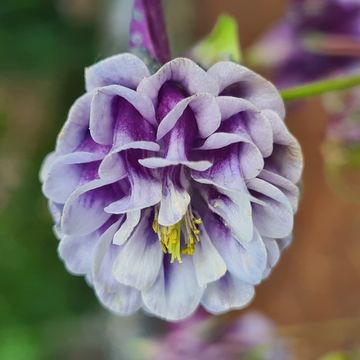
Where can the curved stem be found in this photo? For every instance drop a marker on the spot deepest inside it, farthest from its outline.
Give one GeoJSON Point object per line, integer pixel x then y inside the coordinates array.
{"type": "Point", "coordinates": [320, 87]}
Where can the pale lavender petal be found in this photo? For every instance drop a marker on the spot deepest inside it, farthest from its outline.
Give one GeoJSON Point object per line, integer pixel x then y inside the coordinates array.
{"type": "Point", "coordinates": [226, 294]}
{"type": "Point", "coordinates": [154, 163]}
{"type": "Point", "coordinates": [175, 199]}
{"type": "Point", "coordinates": [175, 294]}
{"type": "Point", "coordinates": [121, 299]}
{"type": "Point", "coordinates": [273, 218]}
{"type": "Point", "coordinates": [132, 219]}
{"type": "Point", "coordinates": [76, 126]}
{"type": "Point", "coordinates": [206, 254]}
{"type": "Point", "coordinates": [287, 157]}
{"type": "Point", "coordinates": [236, 80]}
{"type": "Point", "coordinates": [286, 186]}
{"type": "Point", "coordinates": [124, 69]}
{"type": "Point", "coordinates": [140, 258]}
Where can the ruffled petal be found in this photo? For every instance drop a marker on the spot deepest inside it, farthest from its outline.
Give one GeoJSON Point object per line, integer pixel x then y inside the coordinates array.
{"type": "Point", "coordinates": [120, 115]}
{"type": "Point", "coordinates": [209, 265]}
{"type": "Point", "coordinates": [175, 294]}
{"type": "Point", "coordinates": [246, 261]}
{"type": "Point", "coordinates": [272, 214]}
{"type": "Point", "coordinates": [140, 259]}
{"type": "Point", "coordinates": [121, 299]}
{"type": "Point", "coordinates": [175, 199]}
{"type": "Point", "coordinates": [132, 219]}
{"type": "Point", "coordinates": [183, 71]}
{"type": "Point", "coordinates": [84, 210]}
{"type": "Point", "coordinates": [227, 293]}
{"type": "Point", "coordinates": [76, 126]}
{"type": "Point", "coordinates": [124, 69]}
{"type": "Point", "coordinates": [238, 81]}
{"type": "Point", "coordinates": [286, 159]}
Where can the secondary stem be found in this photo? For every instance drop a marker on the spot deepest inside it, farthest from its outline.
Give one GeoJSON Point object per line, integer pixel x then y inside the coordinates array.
{"type": "Point", "coordinates": [320, 87]}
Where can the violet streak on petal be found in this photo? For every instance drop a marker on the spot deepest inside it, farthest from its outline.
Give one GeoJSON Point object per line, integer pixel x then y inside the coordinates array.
{"type": "Point", "coordinates": [173, 190]}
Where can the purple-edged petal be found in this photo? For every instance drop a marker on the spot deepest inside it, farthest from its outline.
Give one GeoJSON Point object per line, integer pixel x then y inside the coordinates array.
{"type": "Point", "coordinates": [76, 126]}
{"type": "Point", "coordinates": [77, 252]}
{"type": "Point", "coordinates": [84, 210]}
{"type": "Point", "coordinates": [246, 261]}
{"type": "Point", "coordinates": [122, 115]}
{"type": "Point", "coordinates": [204, 255]}
{"type": "Point", "coordinates": [138, 198]}
{"type": "Point", "coordinates": [121, 299]}
{"type": "Point", "coordinates": [140, 259]}
{"type": "Point", "coordinates": [68, 172]}
{"type": "Point", "coordinates": [227, 293]}
{"type": "Point", "coordinates": [273, 215]}
{"type": "Point", "coordinates": [291, 190]}
{"type": "Point", "coordinates": [235, 210]}
{"type": "Point", "coordinates": [286, 158]}
{"type": "Point", "coordinates": [239, 114]}
{"type": "Point", "coordinates": [238, 81]}
{"type": "Point", "coordinates": [175, 294]}
{"type": "Point", "coordinates": [183, 71]}
{"type": "Point", "coordinates": [124, 69]}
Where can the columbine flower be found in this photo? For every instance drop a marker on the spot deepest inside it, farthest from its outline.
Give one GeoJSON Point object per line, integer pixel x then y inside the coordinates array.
{"type": "Point", "coordinates": [316, 38]}
{"type": "Point", "coordinates": [173, 189]}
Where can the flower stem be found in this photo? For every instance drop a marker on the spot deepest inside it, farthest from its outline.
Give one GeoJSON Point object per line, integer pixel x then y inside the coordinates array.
{"type": "Point", "coordinates": [320, 87]}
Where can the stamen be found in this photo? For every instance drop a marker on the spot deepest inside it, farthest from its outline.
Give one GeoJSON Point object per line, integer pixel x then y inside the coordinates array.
{"type": "Point", "coordinates": [170, 236]}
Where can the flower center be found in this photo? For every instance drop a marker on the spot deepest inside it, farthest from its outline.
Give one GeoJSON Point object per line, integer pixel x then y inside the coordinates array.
{"type": "Point", "coordinates": [170, 236]}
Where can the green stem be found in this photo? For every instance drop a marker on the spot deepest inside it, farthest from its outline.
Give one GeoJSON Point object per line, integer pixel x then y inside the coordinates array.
{"type": "Point", "coordinates": [320, 87]}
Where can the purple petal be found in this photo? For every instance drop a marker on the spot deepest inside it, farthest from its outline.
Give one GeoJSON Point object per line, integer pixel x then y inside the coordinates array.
{"type": "Point", "coordinates": [236, 80]}
{"type": "Point", "coordinates": [124, 69]}
{"type": "Point", "coordinates": [140, 259]}
{"type": "Point", "coordinates": [227, 293]}
{"type": "Point", "coordinates": [206, 113]}
{"type": "Point", "coordinates": [148, 31]}
{"type": "Point", "coordinates": [155, 163]}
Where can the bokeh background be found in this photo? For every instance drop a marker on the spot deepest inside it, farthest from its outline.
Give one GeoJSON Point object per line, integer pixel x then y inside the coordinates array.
{"type": "Point", "coordinates": [45, 313]}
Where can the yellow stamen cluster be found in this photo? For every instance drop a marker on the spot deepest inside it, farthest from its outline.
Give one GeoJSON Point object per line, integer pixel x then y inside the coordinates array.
{"type": "Point", "coordinates": [170, 236]}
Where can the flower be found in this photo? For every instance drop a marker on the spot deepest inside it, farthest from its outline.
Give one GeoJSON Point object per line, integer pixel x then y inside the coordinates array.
{"type": "Point", "coordinates": [173, 189]}
{"type": "Point", "coordinates": [315, 39]}
{"type": "Point", "coordinates": [251, 336]}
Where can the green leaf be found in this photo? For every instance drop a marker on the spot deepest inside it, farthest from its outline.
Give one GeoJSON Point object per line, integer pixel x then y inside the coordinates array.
{"type": "Point", "coordinates": [222, 44]}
